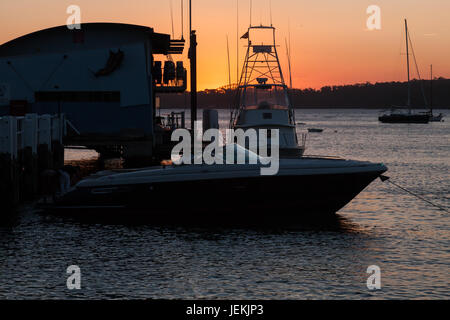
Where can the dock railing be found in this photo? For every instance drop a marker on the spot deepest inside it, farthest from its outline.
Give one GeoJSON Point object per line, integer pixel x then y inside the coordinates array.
{"type": "Point", "coordinates": [175, 120]}
{"type": "Point", "coordinates": [31, 151]}
{"type": "Point", "coordinates": [31, 130]}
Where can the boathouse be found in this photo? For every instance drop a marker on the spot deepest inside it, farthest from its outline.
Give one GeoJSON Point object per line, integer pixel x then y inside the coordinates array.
{"type": "Point", "coordinates": [103, 77]}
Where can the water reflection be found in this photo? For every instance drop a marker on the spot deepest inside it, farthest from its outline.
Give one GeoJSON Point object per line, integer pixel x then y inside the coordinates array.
{"type": "Point", "coordinates": [331, 222]}
{"type": "Point", "coordinates": [314, 259]}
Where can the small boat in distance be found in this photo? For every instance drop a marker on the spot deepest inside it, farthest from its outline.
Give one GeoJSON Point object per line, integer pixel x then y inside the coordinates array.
{"type": "Point", "coordinates": [315, 130]}
{"type": "Point", "coordinates": [405, 116]}
{"type": "Point", "coordinates": [437, 118]}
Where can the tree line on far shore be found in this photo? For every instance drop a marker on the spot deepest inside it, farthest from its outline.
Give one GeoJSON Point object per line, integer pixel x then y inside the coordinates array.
{"type": "Point", "coordinates": [366, 95]}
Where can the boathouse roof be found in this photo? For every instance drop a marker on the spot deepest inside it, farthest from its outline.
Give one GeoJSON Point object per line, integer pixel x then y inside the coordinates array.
{"type": "Point", "coordinates": [89, 36]}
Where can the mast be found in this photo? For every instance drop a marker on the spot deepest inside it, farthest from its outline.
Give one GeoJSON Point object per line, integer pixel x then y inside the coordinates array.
{"type": "Point", "coordinates": [407, 63]}
{"type": "Point", "coordinates": [182, 20]}
{"type": "Point", "coordinates": [193, 59]}
{"type": "Point", "coordinates": [229, 67]}
{"type": "Point", "coordinates": [171, 19]}
{"type": "Point", "coordinates": [270, 7]}
{"type": "Point", "coordinates": [251, 5]}
{"type": "Point", "coordinates": [431, 89]}
{"type": "Point", "coordinates": [237, 41]}
{"type": "Point", "coordinates": [289, 53]}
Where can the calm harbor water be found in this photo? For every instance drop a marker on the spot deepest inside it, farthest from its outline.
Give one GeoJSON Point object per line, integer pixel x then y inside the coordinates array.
{"type": "Point", "coordinates": [407, 238]}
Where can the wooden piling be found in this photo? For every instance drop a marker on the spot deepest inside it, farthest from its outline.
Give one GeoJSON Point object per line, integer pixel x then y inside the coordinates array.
{"type": "Point", "coordinates": [29, 146]}
{"type": "Point", "coordinates": [9, 182]}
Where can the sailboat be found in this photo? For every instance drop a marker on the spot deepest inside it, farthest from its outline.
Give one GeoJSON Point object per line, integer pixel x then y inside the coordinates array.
{"type": "Point", "coordinates": [262, 99]}
{"type": "Point", "coordinates": [402, 116]}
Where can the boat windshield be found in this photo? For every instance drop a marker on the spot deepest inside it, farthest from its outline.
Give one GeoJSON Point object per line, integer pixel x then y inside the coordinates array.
{"type": "Point", "coordinates": [236, 154]}
{"type": "Point", "coordinates": [264, 97]}
{"type": "Point", "coordinates": [239, 152]}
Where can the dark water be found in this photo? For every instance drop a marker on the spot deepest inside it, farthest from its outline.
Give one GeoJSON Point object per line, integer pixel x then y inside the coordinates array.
{"type": "Point", "coordinates": [408, 239]}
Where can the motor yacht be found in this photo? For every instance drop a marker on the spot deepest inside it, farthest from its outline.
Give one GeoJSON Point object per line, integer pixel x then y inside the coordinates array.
{"type": "Point", "coordinates": [302, 186]}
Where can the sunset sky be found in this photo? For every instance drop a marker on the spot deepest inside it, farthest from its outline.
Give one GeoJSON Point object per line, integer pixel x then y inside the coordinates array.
{"type": "Point", "coordinates": [330, 41]}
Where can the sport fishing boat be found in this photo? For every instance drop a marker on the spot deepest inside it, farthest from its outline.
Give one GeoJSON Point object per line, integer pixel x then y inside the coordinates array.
{"type": "Point", "coordinates": [302, 187]}
{"type": "Point", "coordinates": [262, 96]}
{"type": "Point", "coordinates": [406, 115]}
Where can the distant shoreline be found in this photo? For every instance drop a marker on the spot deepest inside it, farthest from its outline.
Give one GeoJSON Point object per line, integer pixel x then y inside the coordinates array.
{"type": "Point", "coordinates": [382, 95]}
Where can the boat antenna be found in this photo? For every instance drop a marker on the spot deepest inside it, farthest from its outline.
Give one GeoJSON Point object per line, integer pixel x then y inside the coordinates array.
{"type": "Point", "coordinates": [237, 41]}
{"type": "Point", "coordinates": [288, 48]}
{"type": "Point", "coordinates": [288, 54]}
{"type": "Point", "coordinates": [229, 78]}
{"type": "Point", "coordinates": [229, 67]}
{"type": "Point", "coordinates": [182, 19]}
{"type": "Point", "coordinates": [251, 2]}
{"type": "Point", "coordinates": [270, 9]}
{"type": "Point", "coordinates": [171, 18]}
{"type": "Point", "coordinates": [260, 15]}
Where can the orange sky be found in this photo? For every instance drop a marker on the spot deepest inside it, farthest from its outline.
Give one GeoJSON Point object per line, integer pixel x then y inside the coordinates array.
{"type": "Point", "coordinates": [330, 43]}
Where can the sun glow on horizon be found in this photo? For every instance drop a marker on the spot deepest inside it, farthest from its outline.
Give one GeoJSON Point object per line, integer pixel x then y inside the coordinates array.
{"type": "Point", "coordinates": [330, 43]}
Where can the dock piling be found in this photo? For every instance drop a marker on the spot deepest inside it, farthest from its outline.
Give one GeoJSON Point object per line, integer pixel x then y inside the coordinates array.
{"type": "Point", "coordinates": [29, 145]}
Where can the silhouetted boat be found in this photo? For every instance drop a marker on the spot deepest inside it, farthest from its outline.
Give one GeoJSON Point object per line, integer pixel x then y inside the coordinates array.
{"type": "Point", "coordinates": [436, 118]}
{"type": "Point", "coordinates": [397, 116]}
{"type": "Point", "coordinates": [402, 116]}
{"type": "Point", "coordinates": [262, 99]}
{"type": "Point", "coordinates": [315, 130]}
{"type": "Point", "coordinates": [306, 185]}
